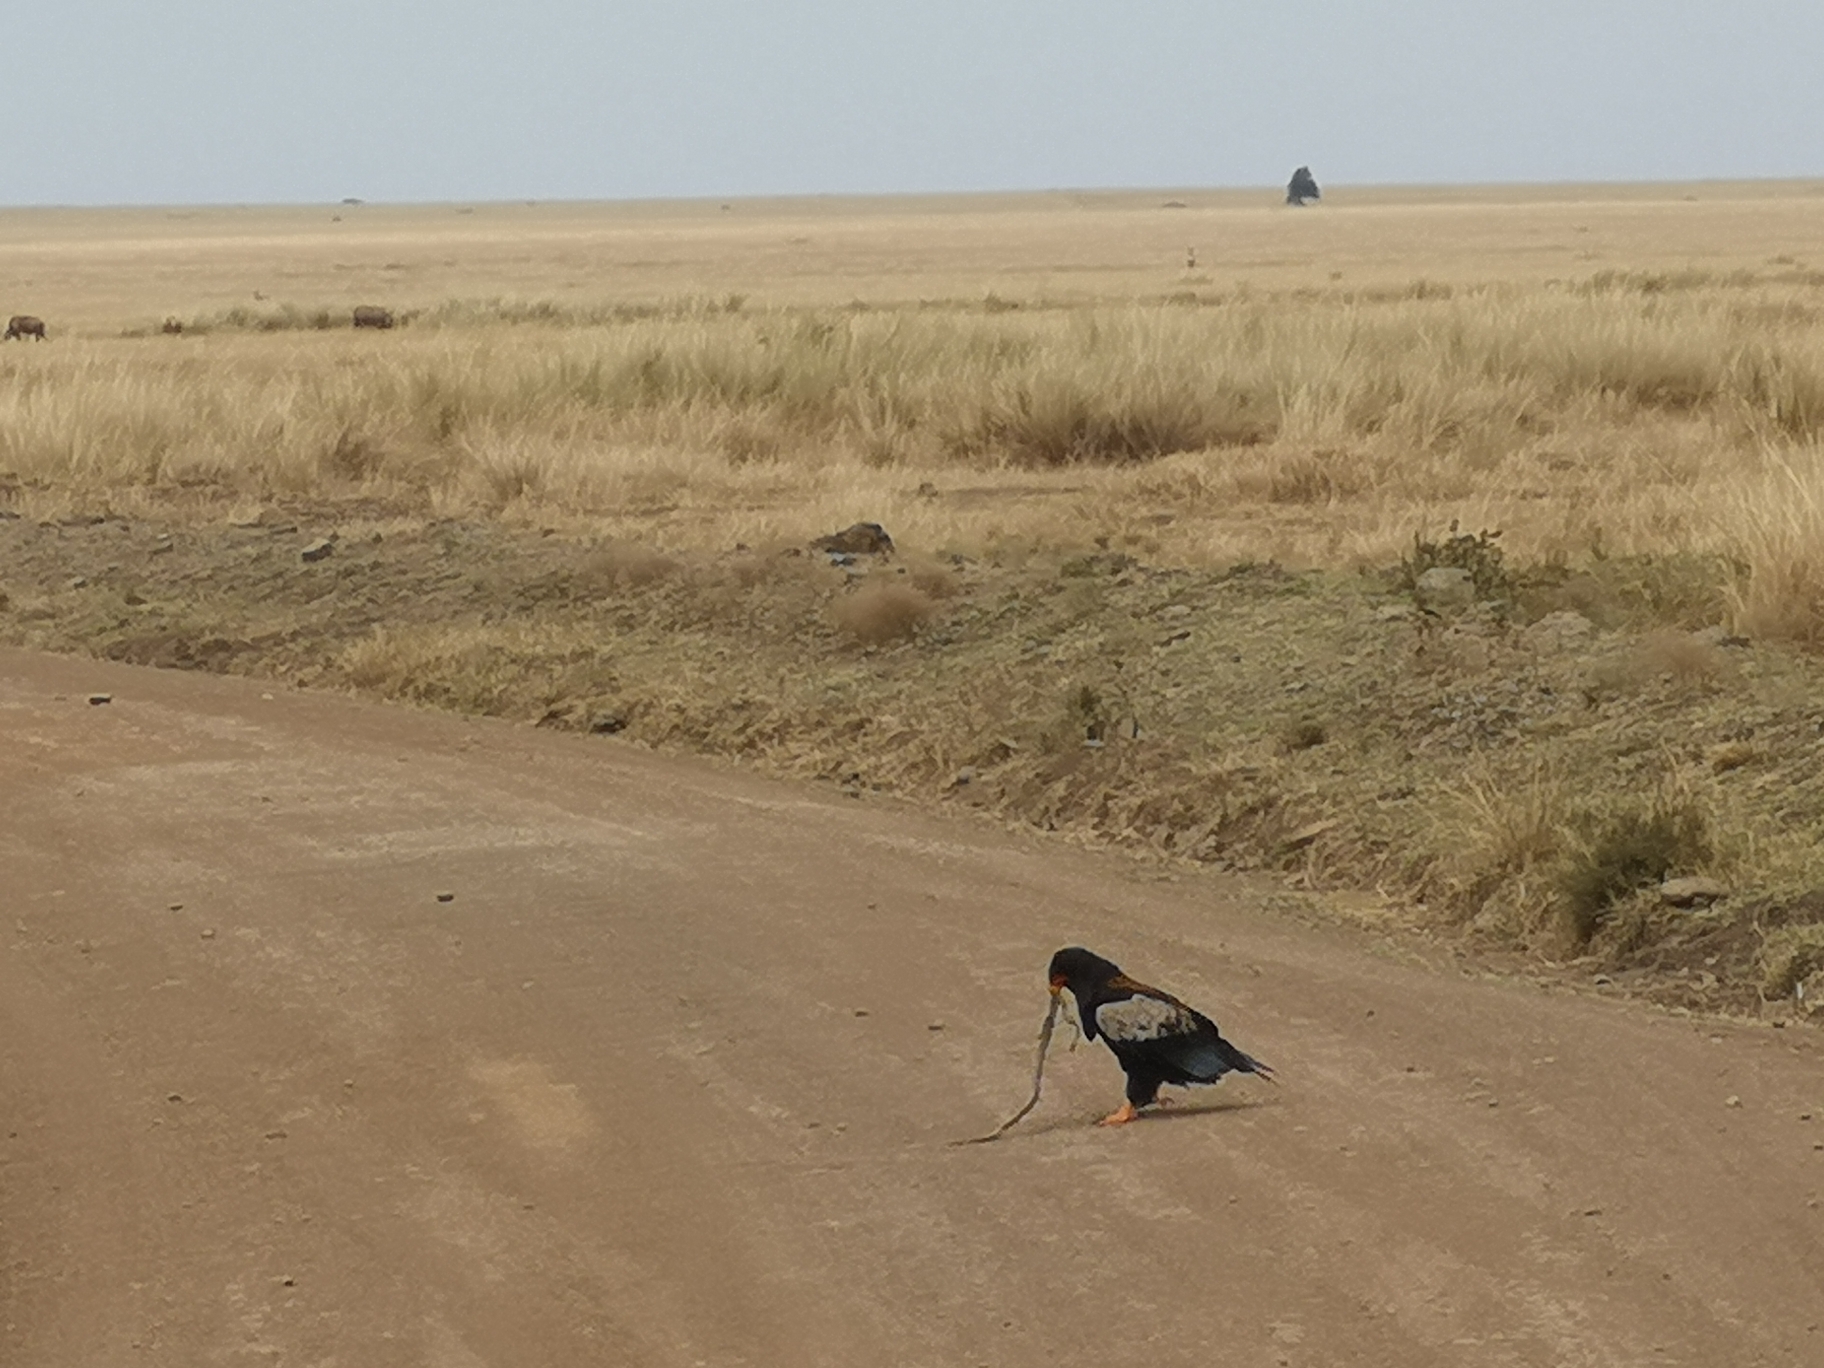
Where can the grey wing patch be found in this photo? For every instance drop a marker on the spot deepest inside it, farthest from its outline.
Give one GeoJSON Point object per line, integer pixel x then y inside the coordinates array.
{"type": "Point", "coordinates": [1143, 1018]}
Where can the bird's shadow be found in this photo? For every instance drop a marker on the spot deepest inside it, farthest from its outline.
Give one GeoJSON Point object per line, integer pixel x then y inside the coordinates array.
{"type": "Point", "coordinates": [1180, 1112]}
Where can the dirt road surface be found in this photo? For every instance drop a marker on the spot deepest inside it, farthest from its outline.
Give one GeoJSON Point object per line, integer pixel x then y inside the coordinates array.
{"type": "Point", "coordinates": [669, 1081]}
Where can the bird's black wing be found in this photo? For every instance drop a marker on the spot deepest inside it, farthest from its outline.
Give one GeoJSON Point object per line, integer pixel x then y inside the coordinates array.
{"type": "Point", "coordinates": [1169, 1036]}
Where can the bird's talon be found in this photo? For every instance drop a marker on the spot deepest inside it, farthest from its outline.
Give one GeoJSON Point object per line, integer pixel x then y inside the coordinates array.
{"type": "Point", "coordinates": [1119, 1118]}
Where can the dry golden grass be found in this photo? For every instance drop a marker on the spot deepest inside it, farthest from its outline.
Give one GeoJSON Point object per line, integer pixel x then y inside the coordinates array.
{"type": "Point", "coordinates": [1309, 430]}
{"type": "Point", "coordinates": [1547, 362]}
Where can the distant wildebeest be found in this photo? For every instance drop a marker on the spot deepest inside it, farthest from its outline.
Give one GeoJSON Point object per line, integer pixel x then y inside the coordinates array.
{"type": "Point", "coordinates": [23, 326]}
{"type": "Point", "coordinates": [371, 316]}
{"type": "Point", "coordinates": [1303, 187]}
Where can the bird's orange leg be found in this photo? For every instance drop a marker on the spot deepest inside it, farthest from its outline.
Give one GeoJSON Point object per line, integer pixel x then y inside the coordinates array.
{"type": "Point", "coordinates": [1119, 1118]}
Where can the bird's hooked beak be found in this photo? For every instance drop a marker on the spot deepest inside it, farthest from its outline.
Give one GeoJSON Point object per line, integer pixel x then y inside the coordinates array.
{"type": "Point", "coordinates": [1058, 984]}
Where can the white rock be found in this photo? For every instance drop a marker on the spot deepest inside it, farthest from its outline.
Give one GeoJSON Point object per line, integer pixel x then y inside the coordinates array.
{"type": "Point", "coordinates": [1446, 588]}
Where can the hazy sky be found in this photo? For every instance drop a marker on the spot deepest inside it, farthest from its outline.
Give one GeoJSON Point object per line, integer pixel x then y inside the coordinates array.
{"type": "Point", "coordinates": [149, 101]}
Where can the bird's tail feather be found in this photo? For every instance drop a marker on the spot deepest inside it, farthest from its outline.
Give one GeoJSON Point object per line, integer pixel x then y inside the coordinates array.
{"type": "Point", "coordinates": [1246, 1063]}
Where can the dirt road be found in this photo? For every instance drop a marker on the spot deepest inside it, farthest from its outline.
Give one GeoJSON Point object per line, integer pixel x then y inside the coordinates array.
{"type": "Point", "coordinates": [669, 1081]}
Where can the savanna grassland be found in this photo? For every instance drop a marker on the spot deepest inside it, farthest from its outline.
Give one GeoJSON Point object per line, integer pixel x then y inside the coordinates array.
{"type": "Point", "coordinates": [1163, 482]}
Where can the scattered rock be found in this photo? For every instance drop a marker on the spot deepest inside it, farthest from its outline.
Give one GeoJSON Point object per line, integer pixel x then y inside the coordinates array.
{"type": "Point", "coordinates": [446, 897]}
{"type": "Point", "coordinates": [1718, 636]}
{"type": "Point", "coordinates": [1732, 1101]}
{"type": "Point", "coordinates": [319, 549]}
{"type": "Point", "coordinates": [79, 582]}
{"type": "Point", "coordinates": [1445, 589]}
{"type": "Point", "coordinates": [1393, 612]}
{"type": "Point", "coordinates": [1731, 755]}
{"type": "Point", "coordinates": [966, 775]}
{"type": "Point", "coordinates": [858, 539]}
{"type": "Point", "coordinates": [97, 699]}
{"type": "Point", "coordinates": [607, 723]}
{"type": "Point", "coordinates": [1565, 630]}
{"type": "Point", "coordinates": [1691, 892]}
{"type": "Point", "coordinates": [1304, 836]}
{"type": "Point", "coordinates": [163, 544]}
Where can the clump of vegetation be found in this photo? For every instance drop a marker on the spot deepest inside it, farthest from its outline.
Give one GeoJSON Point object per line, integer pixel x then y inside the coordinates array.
{"type": "Point", "coordinates": [1790, 957]}
{"type": "Point", "coordinates": [1778, 592]}
{"type": "Point", "coordinates": [1614, 853]}
{"type": "Point", "coordinates": [1057, 422]}
{"type": "Point", "coordinates": [877, 614]}
{"type": "Point", "coordinates": [1480, 554]}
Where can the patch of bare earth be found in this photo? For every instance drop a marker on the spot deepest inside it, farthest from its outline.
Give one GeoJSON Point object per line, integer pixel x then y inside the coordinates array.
{"type": "Point", "coordinates": [1530, 774]}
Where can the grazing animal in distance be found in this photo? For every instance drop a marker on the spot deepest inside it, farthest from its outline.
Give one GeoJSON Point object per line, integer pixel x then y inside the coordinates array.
{"type": "Point", "coordinates": [172, 327]}
{"type": "Point", "coordinates": [23, 326]}
{"type": "Point", "coordinates": [1302, 187]}
{"type": "Point", "coordinates": [1156, 1038]}
{"type": "Point", "coordinates": [371, 316]}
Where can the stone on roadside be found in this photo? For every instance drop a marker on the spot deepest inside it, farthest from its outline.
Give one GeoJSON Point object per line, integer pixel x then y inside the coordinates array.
{"type": "Point", "coordinates": [1445, 589]}
{"type": "Point", "coordinates": [1691, 892]}
{"type": "Point", "coordinates": [857, 539]}
{"type": "Point", "coordinates": [1564, 630]}
{"type": "Point", "coordinates": [319, 549]}
{"type": "Point", "coordinates": [1718, 636]}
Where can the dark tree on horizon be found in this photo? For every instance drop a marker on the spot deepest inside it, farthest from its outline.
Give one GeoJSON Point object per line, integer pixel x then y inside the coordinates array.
{"type": "Point", "coordinates": [1302, 187]}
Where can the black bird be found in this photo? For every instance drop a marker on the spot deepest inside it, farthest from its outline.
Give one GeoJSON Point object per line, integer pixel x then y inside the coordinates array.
{"type": "Point", "coordinates": [1157, 1038]}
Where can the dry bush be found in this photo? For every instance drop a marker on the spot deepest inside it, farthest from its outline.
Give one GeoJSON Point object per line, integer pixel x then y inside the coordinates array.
{"type": "Point", "coordinates": [1622, 848]}
{"type": "Point", "coordinates": [933, 580]}
{"type": "Point", "coordinates": [623, 565]}
{"type": "Point", "coordinates": [1682, 658]}
{"type": "Point", "coordinates": [498, 670]}
{"type": "Point", "coordinates": [879, 613]}
{"type": "Point", "coordinates": [1778, 523]}
{"type": "Point", "coordinates": [1504, 833]}
{"type": "Point", "coordinates": [1791, 956]}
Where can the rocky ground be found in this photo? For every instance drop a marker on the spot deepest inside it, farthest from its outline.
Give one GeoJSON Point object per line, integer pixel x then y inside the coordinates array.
{"type": "Point", "coordinates": [1583, 771]}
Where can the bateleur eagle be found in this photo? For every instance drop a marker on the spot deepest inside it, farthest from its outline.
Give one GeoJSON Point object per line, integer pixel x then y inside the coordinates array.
{"type": "Point", "coordinates": [1157, 1038]}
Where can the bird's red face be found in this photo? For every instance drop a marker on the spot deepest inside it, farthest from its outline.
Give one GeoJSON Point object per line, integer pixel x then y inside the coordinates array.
{"type": "Point", "coordinates": [1058, 984]}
